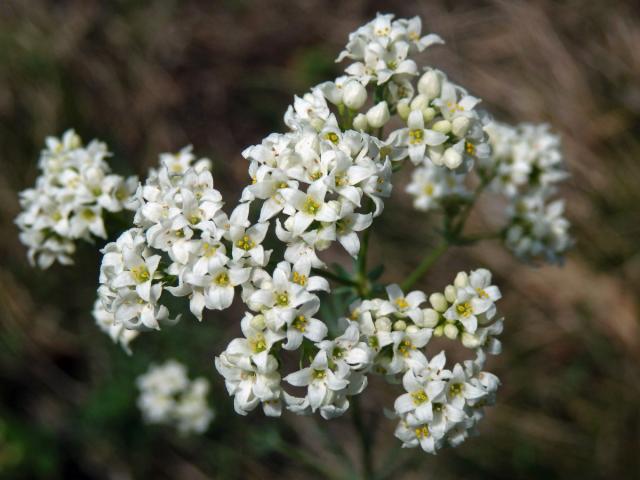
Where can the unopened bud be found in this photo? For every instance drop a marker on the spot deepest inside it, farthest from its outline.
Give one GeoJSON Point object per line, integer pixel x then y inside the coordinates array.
{"type": "Point", "coordinates": [451, 331]}
{"type": "Point", "coordinates": [419, 102]}
{"type": "Point", "coordinates": [450, 293]}
{"type": "Point", "coordinates": [462, 280]}
{"type": "Point", "coordinates": [400, 325]}
{"type": "Point", "coordinates": [452, 159]}
{"type": "Point", "coordinates": [438, 302]}
{"type": "Point", "coordinates": [428, 114]}
{"type": "Point", "coordinates": [429, 84]}
{"type": "Point", "coordinates": [460, 126]}
{"type": "Point", "coordinates": [360, 122]}
{"type": "Point", "coordinates": [430, 318]}
{"type": "Point", "coordinates": [403, 109]}
{"type": "Point", "coordinates": [442, 126]}
{"type": "Point", "coordinates": [438, 331]}
{"type": "Point", "coordinates": [411, 329]}
{"type": "Point", "coordinates": [379, 115]}
{"type": "Point", "coordinates": [354, 95]}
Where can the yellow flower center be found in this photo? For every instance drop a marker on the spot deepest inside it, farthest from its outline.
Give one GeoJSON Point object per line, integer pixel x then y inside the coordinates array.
{"type": "Point", "coordinates": [300, 323]}
{"type": "Point", "coordinates": [311, 206]}
{"type": "Point", "coordinates": [258, 343]}
{"type": "Point", "coordinates": [405, 348]}
{"type": "Point", "coordinates": [402, 303]}
{"type": "Point", "coordinates": [319, 374]}
{"type": "Point", "coordinates": [455, 389]}
{"type": "Point", "coordinates": [140, 273]}
{"type": "Point", "coordinates": [208, 250]}
{"type": "Point", "coordinates": [332, 137]}
{"type": "Point", "coordinates": [419, 397]}
{"type": "Point", "coordinates": [245, 243]}
{"type": "Point", "coordinates": [299, 279]}
{"type": "Point", "coordinates": [428, 189]}
{"type": "Point", "coordinates": [282, 299]}
{"type": "Point", "coordinates": [470, 148]}
{"type": "Point", "coordinates": [222, 279]}
{"type": "Point", "coordinates": [416, 136]}
{"type": "Point", "coordinates": [88, 214]}
{"type": "Point", "coordinates": [481, 293]}
{"type": "Point", "coordinates": [422, 432]}
{"type": "Point", "coordinates": [464, 309]}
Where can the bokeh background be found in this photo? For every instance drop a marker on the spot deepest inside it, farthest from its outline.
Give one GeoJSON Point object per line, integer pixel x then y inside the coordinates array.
{"type": "Point", "coordinates": [152, 76]}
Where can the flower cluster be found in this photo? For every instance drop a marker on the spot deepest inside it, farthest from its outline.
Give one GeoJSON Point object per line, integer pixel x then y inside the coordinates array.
{"type": "Point", "coordinates": [168, 397]}
{"type": "Point", "coordinates": [175, 244]}
{"type": "Point", "coordinates": [106, 322]}
{"type": "Point", "coordinates": [74, 189]}
{"type": "Point", "coordinates": [526, 167]}
{"type": "Point", "coordinates": [439, 405]}
{"type": "Point", "coordinates": [322, 181]}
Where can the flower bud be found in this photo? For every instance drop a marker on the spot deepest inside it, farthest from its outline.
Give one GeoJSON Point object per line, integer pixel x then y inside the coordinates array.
{"type": "Point", "coordinates": [428, 114]}
{"type": "Point", "coordinates": [331, 92]}
{"type": "Point", "coordinates": [430, 318]}
{"type": "Point", "coordinates": [383, 324]}
{"type": "Point", "coordinates": [354, 95]}
{"type": "Point", "coordinates": [379, 115]}
{"type": "Point", "coordinates": [429, 84]}
{"type": "Point", "coordinates": [442, 126]}
{"type": "Point", "coordinates": [469, 340]}
{"type": "Point", "coordinates": [452, 158]}
{"type": "Point", "coordinates": [400, 325]}
{"type": "Point", "coordinates": [412, 329]}
{"type": "Point", "coordinates": [257, 322]}
{"type": "Point", "coordinates": [450, 293]}
{"type": "Point", "coordinates": [403, 109]}
{"type": "Point", "coordinates": [420, 102]}
{"type": "Point", "coordinates": [460, 126]}
{"type": "Point", "coordinates": [451, 331]}
{"type": "Point", "coordinates": [462, 280]}
{"type": "Point", "coordinates": [438, 331]}
{"type": "Point", "coordinates": [360, 122]}
{"type": "Point", "coordinates": [438, 302]}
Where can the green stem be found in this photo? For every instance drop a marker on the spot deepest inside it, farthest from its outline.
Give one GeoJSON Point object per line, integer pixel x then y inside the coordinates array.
{"type": "Point", "coordinates": [366, 440]}
{"type": "Point", "coordinates": [362, 280]}
{"type": "Point", "coordinates": [329, 275]}
{"type": "Point", "coordinates": [425, 264]}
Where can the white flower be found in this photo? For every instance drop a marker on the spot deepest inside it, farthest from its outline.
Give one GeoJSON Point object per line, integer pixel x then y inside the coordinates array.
{"type": "Point", "coordinates": [431, 185]}
{"type": "Point", "coordinates": [538, 230]}
{"type": "Point", "coordinates": [303, 325]}
{"type": "Point", "coordinates": [106, 322]}
{"type": "Point", "coordinates": [73, 189]}
{"type": "Point", "coordinates": [251, 381]}
{"type": "Point", "coordinates": [319, 379]}
{"type": "Point", "coordinates": [417, 137]}
{"type": "Point", "coordinates": [167, 396]}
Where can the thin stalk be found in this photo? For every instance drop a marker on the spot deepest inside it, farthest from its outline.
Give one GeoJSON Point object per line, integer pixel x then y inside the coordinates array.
{"type": "Point", "coordinates": [426, 263]}
{"type": "Point", "coordinates": [329, 275]}
{"type": "Point", "coordinates": [366, 440]}
{"type": "Point", "coordinates": [362, 280]}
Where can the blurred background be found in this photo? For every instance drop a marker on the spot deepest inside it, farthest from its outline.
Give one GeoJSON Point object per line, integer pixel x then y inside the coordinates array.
{"type": "Point", "coordinates": [152, 76]}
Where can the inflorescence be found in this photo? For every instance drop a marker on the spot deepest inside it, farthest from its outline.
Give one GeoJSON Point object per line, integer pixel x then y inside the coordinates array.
{"type": "Point", "coordinates": [323, 181]}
